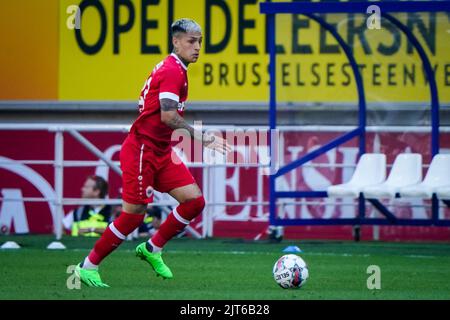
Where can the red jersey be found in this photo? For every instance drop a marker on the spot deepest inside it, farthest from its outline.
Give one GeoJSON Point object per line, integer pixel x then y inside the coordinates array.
{"type": "Point", "coordinates": [168, 80]}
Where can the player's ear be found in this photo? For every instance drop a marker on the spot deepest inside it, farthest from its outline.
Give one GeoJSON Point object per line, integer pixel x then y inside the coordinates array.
{"type": "Point", "coordinates": [175, 41]}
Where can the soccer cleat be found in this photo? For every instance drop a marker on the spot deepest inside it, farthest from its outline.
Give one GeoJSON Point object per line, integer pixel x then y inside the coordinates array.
{"type": "Point", "coordinates": [155, 260]}
{"type": "Point", "coordinates": [90, 277]}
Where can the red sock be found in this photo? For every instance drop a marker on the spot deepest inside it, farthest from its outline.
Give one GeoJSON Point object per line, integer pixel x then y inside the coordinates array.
{"type": "Point", "coordinates": [177, 220]}
{"type": "Point", "coordinates": [168, 229]}
{"type": "Point", "coordinates": [114, 234]}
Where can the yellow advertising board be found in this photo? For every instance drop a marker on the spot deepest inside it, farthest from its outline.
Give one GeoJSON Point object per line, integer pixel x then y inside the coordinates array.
{"type": "Point", "coordinates": [123, 60]}
{"type": "Point", "coordinates": [109, 52]}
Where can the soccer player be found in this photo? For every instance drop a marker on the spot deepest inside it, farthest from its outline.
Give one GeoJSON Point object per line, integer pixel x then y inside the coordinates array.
{"type": "Point", "coordinates": [148, 162]}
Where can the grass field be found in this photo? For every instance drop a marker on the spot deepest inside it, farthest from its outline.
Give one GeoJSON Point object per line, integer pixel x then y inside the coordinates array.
{"type": "Point", "coordinates": [229, 269]}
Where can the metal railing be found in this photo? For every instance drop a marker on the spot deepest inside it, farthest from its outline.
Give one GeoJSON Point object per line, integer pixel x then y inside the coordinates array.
{"type": "Point", "coordinates": [207, 223]}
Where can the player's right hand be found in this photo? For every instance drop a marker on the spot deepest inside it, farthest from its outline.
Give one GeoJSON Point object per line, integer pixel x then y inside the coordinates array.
{"type": "Point", "coordinates": [216, 143]}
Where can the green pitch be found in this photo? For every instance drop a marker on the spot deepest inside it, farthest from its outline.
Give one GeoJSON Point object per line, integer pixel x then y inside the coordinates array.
{"type": "Point", "coordinates": [229, 269]}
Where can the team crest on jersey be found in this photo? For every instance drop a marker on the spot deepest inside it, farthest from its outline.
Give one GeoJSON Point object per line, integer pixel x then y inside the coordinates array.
{"type": "Point", "coordinates": [180, 106]}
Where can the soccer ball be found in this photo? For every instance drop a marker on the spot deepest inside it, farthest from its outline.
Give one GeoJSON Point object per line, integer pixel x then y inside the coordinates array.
{"type": "Point", "coordinates": [290, 271]}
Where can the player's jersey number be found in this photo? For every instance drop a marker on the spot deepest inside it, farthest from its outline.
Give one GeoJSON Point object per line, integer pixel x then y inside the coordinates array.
{"type": "Point", "coordinates": [146, 87]}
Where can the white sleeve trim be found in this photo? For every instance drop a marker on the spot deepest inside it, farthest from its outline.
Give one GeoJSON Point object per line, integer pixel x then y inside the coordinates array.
{"type": "Point", "coordinates": [169, 95]}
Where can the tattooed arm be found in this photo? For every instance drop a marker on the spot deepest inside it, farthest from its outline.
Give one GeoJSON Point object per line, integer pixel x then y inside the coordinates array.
{"type": "Point", "coordinates": [170, 117]}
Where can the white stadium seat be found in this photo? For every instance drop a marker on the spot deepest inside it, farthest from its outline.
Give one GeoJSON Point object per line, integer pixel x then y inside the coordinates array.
{"type": "Point", "coordinates": [406, 171]}
{"type": "Point", "coordinates": [370, 170]}
{"type": "Point", "coordinates": [437, 178]}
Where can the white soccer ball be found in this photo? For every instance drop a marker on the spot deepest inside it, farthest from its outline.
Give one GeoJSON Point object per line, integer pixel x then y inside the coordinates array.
{"type": "Point", "coordinates": [290, 271]}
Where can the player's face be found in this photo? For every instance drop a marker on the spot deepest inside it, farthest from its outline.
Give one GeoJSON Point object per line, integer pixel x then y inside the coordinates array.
{"type": "Point", "coordinates": [187, 46]}
{"type": "Point", "coordinates": [88, 190]}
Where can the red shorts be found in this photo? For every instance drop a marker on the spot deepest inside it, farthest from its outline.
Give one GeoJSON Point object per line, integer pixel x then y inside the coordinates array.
{"type": "Point", "coordinates": [143, 171]}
